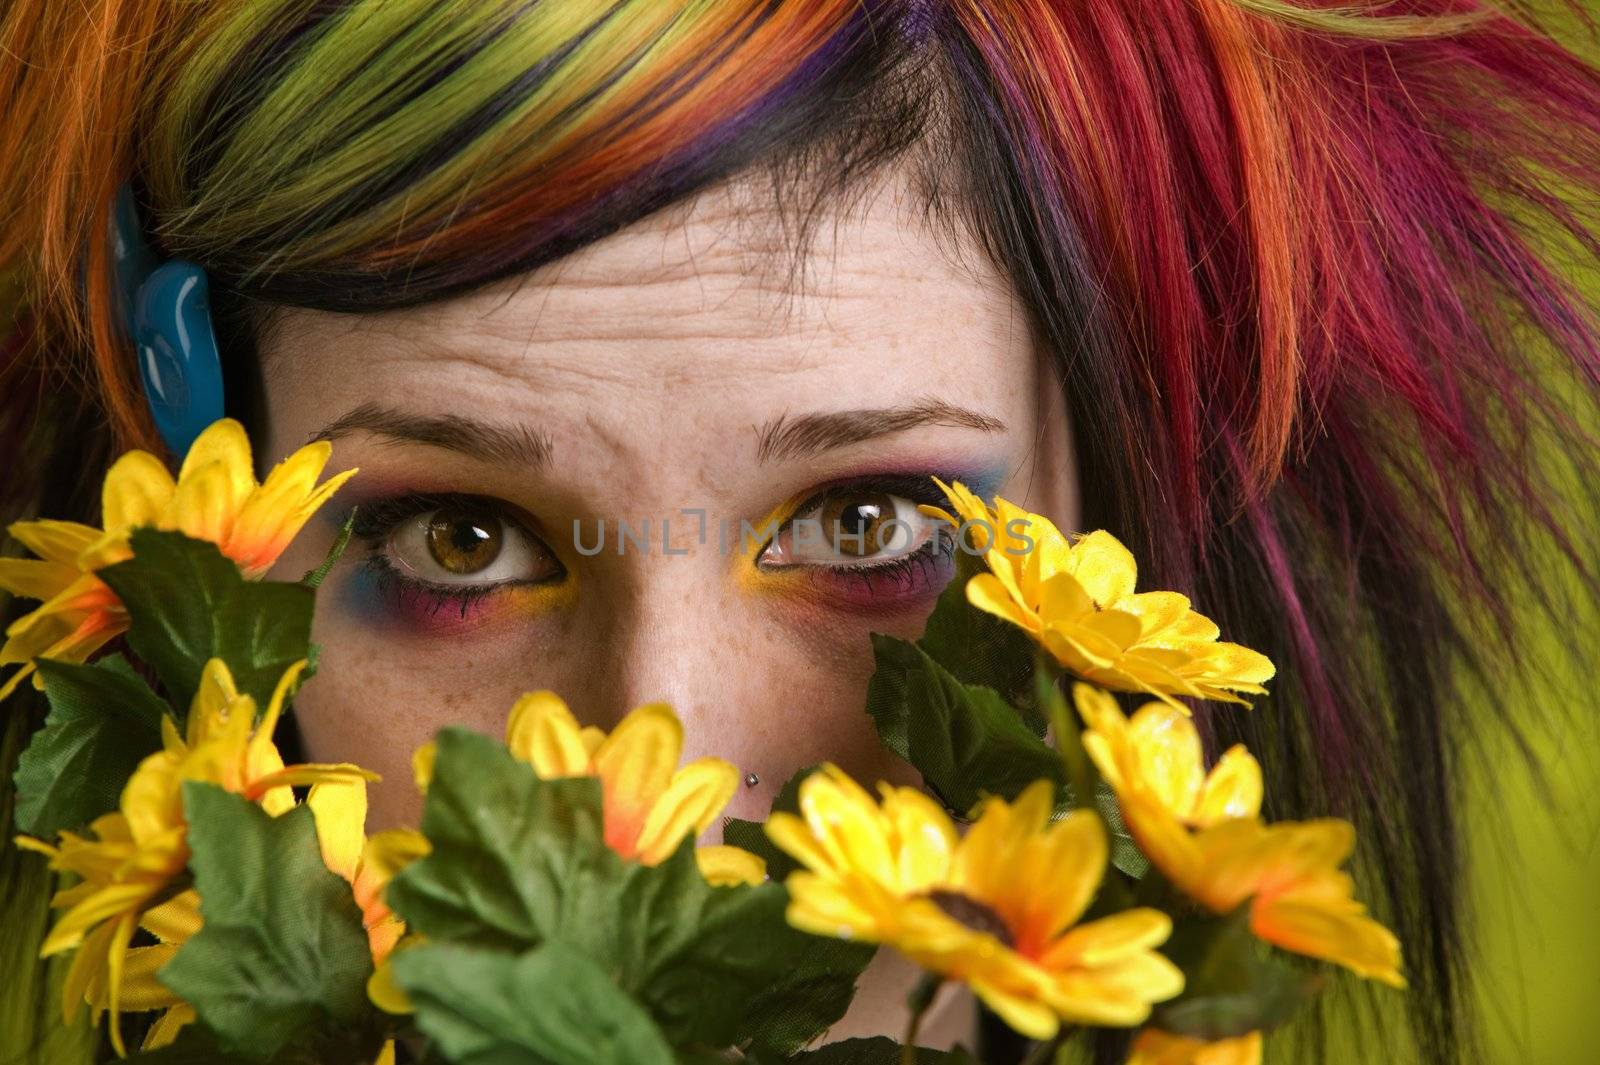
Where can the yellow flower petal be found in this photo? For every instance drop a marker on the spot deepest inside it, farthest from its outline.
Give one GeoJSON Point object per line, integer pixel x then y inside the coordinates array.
{"type": "Point", "coordinates": [141, 991]}
{"type": "Point", "coordinates": [543, 733]}
{"type": "Point", "coordinates": [726, 866]}
{"type": "Point", "coordinates": [1063, 597]}
{"type": "Point", "coordinates": [987, 593]}
{"type": "Point", "coordinates": [1025, 1015]}
{"type": "Point", "coordinates": [116, 958]}
{"type": "Point", "coordinates": [1009, 851]}
{"type": "Point", "coordinates": [823, 908]}
{"type": "Point", "coordinates": [926, 840]}
{"type": "Point", "coordinates": [223, 445]}
{"type": "Point", "coordinates": [1104, 567]}
{"type": "Point", "coordinates": [340, 809]}
{"type": "Point", "coordinates": [1112, 938]}
{"type": "Point", "coordinates": [166, 1028]}
{"type": "Point", "coordinates": [635, 764]}
{"type": "Point", "coordinates": [1233, 789]}
{"type": "Point", "coordinates": [16, 679]}
{"type": "Point", "coordinates": [1170, 758]}
{"type": "Point", "coordinates": [1155, 1047]}
{"type": "Point", "coordinates": [385, 992]}
{"type": "Point", "coordinates": [205, 504]}
{"type": "Point", "coordinates": [86, 967]}
{"type": "Point", "coordinates": [175, 920]}
{"type": "Point", "coordinates": [697, 793]}
{"type": "Point", "coordinates": [1071, 856]}
{"type": "Point", "coordinates": [847, 825]}
{"type": "Point", "coordinates": [35, 579]}
{"type": "Point", "coordinates": [1119, 993]}
{"type": "Point", "coordinates": [786, 831]}
{"type": "Point", "coordinates": [136, 492]}
{"type": "Point", "coordinates": [390, 851]}
{"type": "Point", "coordinates": [276, 511]}
{"type": "Point", "coordinates": [1352, 940]}
{"type": "Point", "coordinates": [60, 542]}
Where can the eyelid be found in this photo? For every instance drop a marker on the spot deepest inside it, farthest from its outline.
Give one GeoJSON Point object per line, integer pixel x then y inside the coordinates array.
{"type": "Point", "coordinates": [379, 522]}
{"type": "Point", "coordinates": [377, 518]}
{"type": "Point", "coordinates": [906, 488]}
{"type": "Point", "coordinates": [918, 488]}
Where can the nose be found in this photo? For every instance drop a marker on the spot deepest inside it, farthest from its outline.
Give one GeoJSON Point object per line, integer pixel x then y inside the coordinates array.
{"type": "Point", "coordinates": [668, 628]}
{"type": "Point", "coordinates": [768, 683]}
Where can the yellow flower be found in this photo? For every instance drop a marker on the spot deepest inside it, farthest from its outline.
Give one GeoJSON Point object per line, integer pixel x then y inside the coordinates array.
{"type": "Point", "coordinates": [993, 909]}
{"type": "Point", "coordinates": [1155, 764]}
{"type": "Point", "coordinates": [1075, 598]}
{"type": "Point", "coordinates": [1201, 830]}
{"type": "Point", "coordinates": [651, 803]}
{"type": "Point", "coordinates": [132, 864]}
{"type": "Point", "coordinates": [1155, 1047]}
{"type": "Point", "coordinates": [215, 498]}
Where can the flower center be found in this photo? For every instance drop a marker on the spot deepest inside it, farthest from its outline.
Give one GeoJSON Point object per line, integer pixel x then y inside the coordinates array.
{"type": "Point", "coordinates": [973, 914]}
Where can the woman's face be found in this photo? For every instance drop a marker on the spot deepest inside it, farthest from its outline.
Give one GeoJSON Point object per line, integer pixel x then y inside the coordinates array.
{"type": "Point", "coordinates": [761, 415]}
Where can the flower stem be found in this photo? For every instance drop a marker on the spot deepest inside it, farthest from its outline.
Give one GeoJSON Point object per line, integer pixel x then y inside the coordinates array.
{"type": "Point", "coordinates": [1068, 736]}
{"type": "Point", "coordinates": [918, 1001]}
{"type": "Point", "coordinates": [314, 578]}
{"type": "Point", "coordinates": [1045, 1052]}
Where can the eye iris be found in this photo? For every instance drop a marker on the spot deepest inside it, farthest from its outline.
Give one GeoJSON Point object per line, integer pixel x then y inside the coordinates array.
{"type": "Point", "coordinates": [463, 541]}
{"type": "Point", "coordinates": [859, 525]}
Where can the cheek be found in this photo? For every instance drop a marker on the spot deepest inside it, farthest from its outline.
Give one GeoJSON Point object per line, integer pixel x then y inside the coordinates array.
{"type": "Point", "coordinates": [787, 699]}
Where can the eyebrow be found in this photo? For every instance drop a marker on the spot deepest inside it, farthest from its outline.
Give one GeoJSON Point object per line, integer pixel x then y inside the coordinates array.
{"type": "Point", "coordinates": [507, 445]}
{"type": "Point", "coordinates": [809, 434]}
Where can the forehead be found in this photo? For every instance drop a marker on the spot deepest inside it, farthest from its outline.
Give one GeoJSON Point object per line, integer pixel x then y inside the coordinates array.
{"type": "Point", "coordinates": [716, 310]}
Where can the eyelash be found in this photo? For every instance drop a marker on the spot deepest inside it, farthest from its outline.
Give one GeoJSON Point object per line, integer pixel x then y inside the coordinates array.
{"type": "Point", "coordinates": [374, 522]}
{"type": "Point", "coordinates": [905, 574]}
{"type": "Point", "coordinates": [899, 577]}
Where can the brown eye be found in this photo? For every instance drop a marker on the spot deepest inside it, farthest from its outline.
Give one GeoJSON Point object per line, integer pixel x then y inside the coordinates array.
{"type": "Point", "coordinates": [851, 528]}
{"type": "Point", "coordinates": [464, 541]}
{"type": "Point", "coordinates": [472, 543]}
{"type": "Point", "coordinates": [858, 526]}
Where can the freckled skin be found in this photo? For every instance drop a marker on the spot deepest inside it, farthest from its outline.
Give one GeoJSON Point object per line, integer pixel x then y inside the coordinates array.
{"type": "Point", "coordinates": [650, 359]}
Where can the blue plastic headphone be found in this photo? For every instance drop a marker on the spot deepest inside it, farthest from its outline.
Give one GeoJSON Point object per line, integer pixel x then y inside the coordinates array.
{"type": "Point", "coordinates": [166, 310]}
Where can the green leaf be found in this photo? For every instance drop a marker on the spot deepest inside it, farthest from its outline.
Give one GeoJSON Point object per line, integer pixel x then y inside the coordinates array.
{"type": "Point", "coordinates": [879, 1050]}
{"type": "Point", "coordinates": [103, 721]}
{"type": "Point", "coordinates": [187, 604]}
{"type": "Point", "coordinates": [1233, 983]}
{"type": "Point", "coordinates": [282, 951]}
{"type": "Point", "coordinates": [966, 741]}
{"type": "Point", "coordinates": [752, 836]}
{"type": "Point", "coordinates": [978, 648]}
{"type": "Point", "coordinates": [518, 862]}
{"type": "Point", "coordinates": [1125, 853]}
{"type": "Point", "coordinates": [549, 1005]}
{"type": "Point", "coordinates": [197, 1045]}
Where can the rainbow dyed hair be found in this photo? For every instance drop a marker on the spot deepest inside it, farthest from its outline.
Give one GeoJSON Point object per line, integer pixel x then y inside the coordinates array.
{"type": "Point", "coordinates": [1303, 267]}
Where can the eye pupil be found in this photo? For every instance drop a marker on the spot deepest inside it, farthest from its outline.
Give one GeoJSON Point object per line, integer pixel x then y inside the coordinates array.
{"type": "Point", "coordinates": [464, 541]}
{"type": "Point", "coordinates": [857, 525]}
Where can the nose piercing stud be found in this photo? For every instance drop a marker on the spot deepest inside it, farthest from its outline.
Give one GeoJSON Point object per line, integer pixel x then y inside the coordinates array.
{"type": "Point", "coordinates": [751, 780]}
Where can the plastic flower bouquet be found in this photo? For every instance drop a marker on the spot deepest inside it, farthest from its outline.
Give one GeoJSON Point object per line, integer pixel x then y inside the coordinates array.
{"type": "Point", "coordinates": [1080, 868]}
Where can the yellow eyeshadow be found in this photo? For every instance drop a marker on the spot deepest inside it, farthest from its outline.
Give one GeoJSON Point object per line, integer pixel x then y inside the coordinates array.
{"type": "Point", "coordinates": [761, 532]}
{"type": "Point", "coordinates": [530, 599]}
